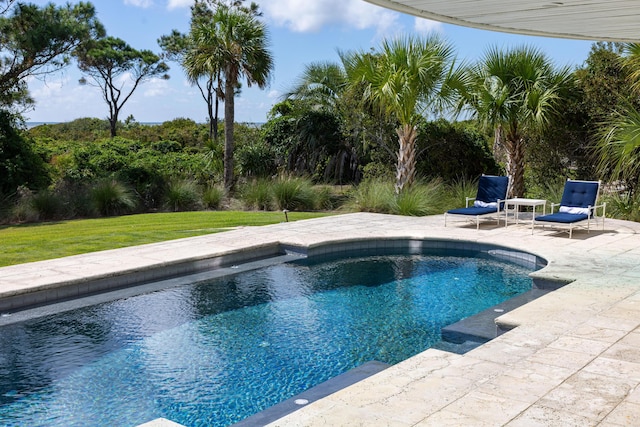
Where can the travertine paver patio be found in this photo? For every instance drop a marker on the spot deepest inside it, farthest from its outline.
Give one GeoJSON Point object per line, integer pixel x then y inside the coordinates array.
{"type": "Point", "coordinates": [572, 359]}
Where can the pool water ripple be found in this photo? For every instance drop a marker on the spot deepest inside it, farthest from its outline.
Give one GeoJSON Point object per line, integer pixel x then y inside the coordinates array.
{"type": "Point", "coordinates": [211, 354]}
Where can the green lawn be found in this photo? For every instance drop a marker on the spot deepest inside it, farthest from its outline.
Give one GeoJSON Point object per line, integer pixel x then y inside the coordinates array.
{"type": "Point", "coordinates": [35, 242]}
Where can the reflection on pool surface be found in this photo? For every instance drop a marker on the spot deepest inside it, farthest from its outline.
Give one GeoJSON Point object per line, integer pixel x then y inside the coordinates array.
{"type": "Point", "coordinates": [214, 353]}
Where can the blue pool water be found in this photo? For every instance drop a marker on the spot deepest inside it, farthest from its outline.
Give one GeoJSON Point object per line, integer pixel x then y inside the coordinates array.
{"type": "Point", "coordinates": [212, 354]}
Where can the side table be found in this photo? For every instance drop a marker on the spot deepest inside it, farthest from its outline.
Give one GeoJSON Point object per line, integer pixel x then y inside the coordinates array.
{"type": "Point", "coordinates": [513, 205]}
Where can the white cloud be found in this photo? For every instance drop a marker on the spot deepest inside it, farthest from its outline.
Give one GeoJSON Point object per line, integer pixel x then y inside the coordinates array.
{"type": "Point", "coordinates": [274, 94]}
{"type": "Point", "coordinates": [139, 3]}
{"type": "Point", "coordinates": [177, 4]}
{"type": "Point", "coordinates": [423, 25]}
{"type": "Point", "coordinates": [313, 15]}
{"type": "Point", "coordinates": [171, 4]}
{"type": "Point", "coordinates": [156, 87]}
{"type": "Point", "coordinates": [63, 98]}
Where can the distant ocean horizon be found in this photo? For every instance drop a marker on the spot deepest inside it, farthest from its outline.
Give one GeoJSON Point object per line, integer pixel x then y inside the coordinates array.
{"type": "Point", "coordinates": [34, 124]}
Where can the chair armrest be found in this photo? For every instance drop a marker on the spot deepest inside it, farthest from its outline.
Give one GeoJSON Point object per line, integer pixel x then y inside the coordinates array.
{"type": "Point", "coordinates": [595, 208]}
{"type": "Point", "coordinates": [501, 202]}
{"type": "Point", "coordinates": [553, 205]}
{"type": "Point", "coordinates": [467, 200]}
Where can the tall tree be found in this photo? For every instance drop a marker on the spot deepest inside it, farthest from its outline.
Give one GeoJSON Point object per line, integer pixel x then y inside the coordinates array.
{"type": "Point", "coordinates": [514, 92]}
{"type": "Point", "coordinates": [605, 83]}
{"type": "Point", "coordinates": [236, 42]}
{"type": "Point", "coordinates": [35, 41]}
{"type": "Point", "coordinates": [5, 5]}
{"type": "Point", "coordinates": [619, 147]}
{"type": "Point", "coordinates": [177, 46]}
{"type": "Point", "coordinates": [107, 61]}
{"type": "Point", "coordinates": [407, 78]}
{"type": "Point", "coordinates": [325, 86]}
{"type": "Point", "coordinates": [320, 103]}
{"type": "Point", "coordinates": [321, 85]}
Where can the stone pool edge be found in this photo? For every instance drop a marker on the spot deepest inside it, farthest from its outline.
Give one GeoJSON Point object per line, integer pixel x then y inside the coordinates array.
{"type": "Point", "coordinates": [42, 292]}
{"type": "Point", "coordinates": [604, 294]}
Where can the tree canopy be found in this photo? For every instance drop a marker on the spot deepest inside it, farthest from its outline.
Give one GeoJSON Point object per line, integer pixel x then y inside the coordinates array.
{"type": "Point", "coordinates": [236, 43]}
{"type": "Point", "coordinates": [177, 46]}
{"type": "Point", "coordinates": [515, 92]}
{"type": "Point", "coordinates": [406, 79]}
{"type": "Point", "coordinates": [107, 60]}
{"type": "Point", "coordinates": [35, 41]}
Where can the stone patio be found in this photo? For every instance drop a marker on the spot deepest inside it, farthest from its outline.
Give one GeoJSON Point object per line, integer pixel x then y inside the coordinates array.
{"type": "Point", "coordinates": [571, 357]}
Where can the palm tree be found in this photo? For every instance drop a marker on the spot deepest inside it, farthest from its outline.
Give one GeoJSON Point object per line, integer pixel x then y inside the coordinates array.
{"type": "Point", "coordinates": [235, 42]}
{"type": "Point", "coordinates": [515, 92]}
{"type": "Point", "coordinates": [178, 46]}
{"type": "Point", "coordinates": [406, 79]}
{"type": "Point", "coordinates": [318, 101]}
{"type": "Point", "coordinates": [619, 148]}
{"type": "Point", "coordinates": [320, 86]}
{"type": "Point", "coordinates": [631, 63]}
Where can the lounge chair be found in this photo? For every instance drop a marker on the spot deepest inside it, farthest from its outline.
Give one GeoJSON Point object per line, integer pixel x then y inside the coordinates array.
{"type": "Point", "coordinates": [576, 209]}
{"type": "Point", "coordinates": [489, 201]}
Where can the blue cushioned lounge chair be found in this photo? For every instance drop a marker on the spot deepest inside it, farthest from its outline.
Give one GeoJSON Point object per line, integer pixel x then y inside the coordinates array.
{"type": "Point", "coordinates": [577, 207]}
{"type": "Point", "coordinates": [489, 201]}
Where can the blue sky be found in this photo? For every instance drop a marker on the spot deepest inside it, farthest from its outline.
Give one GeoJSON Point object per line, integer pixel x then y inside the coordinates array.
{"type": "Point", "coordinates": [301, 32]}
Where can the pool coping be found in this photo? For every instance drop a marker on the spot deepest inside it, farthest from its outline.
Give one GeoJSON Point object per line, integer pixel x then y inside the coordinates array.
{"type": "Point", "coordinates": [559, 348]}
{"type": "Point", "coordinates": [51, 292]}
{"type": "Point", "coordinates": [313, 394]}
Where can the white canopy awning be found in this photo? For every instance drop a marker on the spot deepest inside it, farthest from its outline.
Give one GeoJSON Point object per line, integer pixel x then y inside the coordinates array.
{"type": "Point", "coordinates": [606, 20]}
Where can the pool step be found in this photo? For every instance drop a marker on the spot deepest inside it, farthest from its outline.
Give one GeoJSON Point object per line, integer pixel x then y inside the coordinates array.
{"type": "Point", "coordinates": [481, 327]}
{"type": "Point", "coordinates": [314, 393]}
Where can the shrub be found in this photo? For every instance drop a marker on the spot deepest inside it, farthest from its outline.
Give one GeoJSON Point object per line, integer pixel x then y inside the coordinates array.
{"type": "Point", "coordinates": [47, 204]}
{"type": "Point", "coordinates": [77, 199]}
{"type": "Point", "coordinates": [293, 194]}
{"type": "Point", "coordinates": [458, 191]}
{"type": "Point", "coordinates": [182, 195]}
{"type": "Point", "coordinates": [550, 190]}
{"type": "Point", "coordinates": [212, 197]}
{"type": "Point", "coordinates": [111, 197]}
{"type": "Point", "coordinates": [256, 160]}
{"type": "Point", "coordinates": [24, 212]}
{"type": "Point", "coordinates": [324, 199]}
{"type": "Point", "coordinates": [167, 146]}
{"type": "Point", "coordinates": [20, 165]}
{"type": "Point", "coordinates": [6, 207]}
{"type": "Point", "coordinates": [623, 205]}
{"type": "Point", "coordinates": [257, 194]}
{"type": "Point", "coordinates": [451, 150]}
{"type": "Point", "coordinates": [374, 195]}
{"type": "Point", "coordinates": [378, 195]}
{"type": "Point", "coordinates": [377, 171]}
{"type": "Point", "coordinates": [421, 199]}
{"type": "Point", "coordinates": [146, 181]}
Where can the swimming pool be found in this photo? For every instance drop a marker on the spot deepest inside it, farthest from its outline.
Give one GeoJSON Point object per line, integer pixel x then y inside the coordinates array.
{"type": "Point", "coordinates": [216, 352]}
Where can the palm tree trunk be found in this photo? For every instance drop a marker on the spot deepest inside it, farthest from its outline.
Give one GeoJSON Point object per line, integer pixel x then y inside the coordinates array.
{"type": "Point", "coordinates": [499, 153]}
{"type": "Point", "coordinates": [218, 97]}
{"type": "Point", "coordinates": [210, 112]}
{"type": "Point", "coordinates": [406, 168]}
{"type": "Point", "coordinates": [515, 165]}
{"type": "Point", "coordinates": [229, 117]}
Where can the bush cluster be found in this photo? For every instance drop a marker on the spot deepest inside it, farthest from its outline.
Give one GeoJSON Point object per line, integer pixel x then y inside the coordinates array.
{"type": "Point", "coordinates": [430, 197]}
{"type": "Point", "coordinates": [81, 172]}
